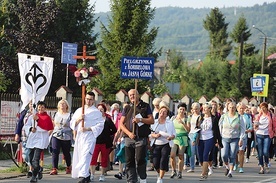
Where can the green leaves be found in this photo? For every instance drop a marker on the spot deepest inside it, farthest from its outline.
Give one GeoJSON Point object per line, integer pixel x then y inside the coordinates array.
{"type": "Point", "coordinates": [4, 82]}
{"type": "Point", "coordinates": [127, 34]}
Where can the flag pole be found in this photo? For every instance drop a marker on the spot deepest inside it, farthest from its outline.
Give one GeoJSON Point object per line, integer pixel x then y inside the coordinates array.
{"type": "Point", "coordinates": [135, 103]}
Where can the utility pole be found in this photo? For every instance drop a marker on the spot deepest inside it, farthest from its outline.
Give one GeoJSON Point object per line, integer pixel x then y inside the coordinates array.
{"type": "Point", "coordinates": [263, 58]}
{"type": "Point", "coordinates": [264, 47]}
{"type": "Point", "coordinates": [240, 62]}
{"type": "Point", "coordinates": [264, 50]}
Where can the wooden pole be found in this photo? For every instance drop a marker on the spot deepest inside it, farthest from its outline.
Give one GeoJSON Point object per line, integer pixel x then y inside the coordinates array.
{"type": "Point", "coordinates": [82, 101]}
{"type": "Point", "coordinates": [135, 103]}
{"type": "Point", "coordinates": [84, 57]}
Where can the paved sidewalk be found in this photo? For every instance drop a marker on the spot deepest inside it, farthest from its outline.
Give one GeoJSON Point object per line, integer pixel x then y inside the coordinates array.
{"type": "Point", "coordinates": [7, 164]}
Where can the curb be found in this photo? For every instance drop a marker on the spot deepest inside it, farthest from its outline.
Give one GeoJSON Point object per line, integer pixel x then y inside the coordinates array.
{"type": "Point", "coordinates": [11, 176]}
{"type": "Point", "coordinates": [4, 176]}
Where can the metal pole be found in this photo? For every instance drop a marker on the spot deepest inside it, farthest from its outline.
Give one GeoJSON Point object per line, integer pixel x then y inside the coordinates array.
{"type": "Point", "coordinates": [264, 47]}
{"type": "Point", "coordinates": [67, 78]}
{"type": "Point", "coordinates": [263, 58]}
{"type": "Point", "coordinates": [264, 50]}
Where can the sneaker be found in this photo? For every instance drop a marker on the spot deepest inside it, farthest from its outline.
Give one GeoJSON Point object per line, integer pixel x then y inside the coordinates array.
{"type": "Point", "coordinates": [190, 171]}
{"type": "Point", "coordinates": [101, 178]}
{"type": "Point", "coordinates": [267, 170]}
{"type": "Point", "coordinates": [119, 175]}
{"type": "Point", "coordinates": [84, 180]}
{"type": "Point", "coordinates": [29, 174]}
{"type": "Point", "coordinates": [229, 175]}
{"type": "Point", "coordinates": [91, 177]}
{"type": "Point", "coordinates": [179, 175]}
{"type": "Point", "coordinates": [159, 180]}
{"type": "Point", "coordinates": [235, 167]}
{"type": "Point", "coordinates": [116, 163]}
{"type": "Point", "coordinates": [33, 179]}
{"type": "Point", "coordinates": [40, 175]}
{"type": "Point", "coordinates": [185, 167]}
{"type": "Point", "coordinates": [68, 170]}
{"type": "Point", "coordinates": [226, 172]}
{"type": "Point", "coordinates": [246, 160]}
{"type": "Point", "coordinates": [54, 171]}
{"type": "Point", "coordinates": [241, 170]}
{"type": "Point", "coordinates": [143, 180]}
{"type": "Point", "coordinates": [173, 174]}
{"type": "Point", "coordinates": [210, 171]}
{"type": "Point", "coordinates": [203, 177]}
{"type": "Point", "coordinates": [151, 168]}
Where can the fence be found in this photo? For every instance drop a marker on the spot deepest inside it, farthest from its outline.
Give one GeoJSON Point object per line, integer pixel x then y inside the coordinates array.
{"type": "Point", "coordinates": [10, 108]}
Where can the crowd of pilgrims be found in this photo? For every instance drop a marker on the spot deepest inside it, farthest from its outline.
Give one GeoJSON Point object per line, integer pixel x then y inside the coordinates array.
{"type": "Point", "coordinates": [212, 135]}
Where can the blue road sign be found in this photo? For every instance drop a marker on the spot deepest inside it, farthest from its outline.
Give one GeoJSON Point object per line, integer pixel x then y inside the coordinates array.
{"type": "Point", "coordinates": [257, 84]}
{"type": "Point", "coordinates": [68, 51]}
{"type": "Point", "coordinates": [137, 67]}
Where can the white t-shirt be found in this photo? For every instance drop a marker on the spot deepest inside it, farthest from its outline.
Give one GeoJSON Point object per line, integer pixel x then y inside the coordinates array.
{"type": "Point", "coordinates": [206, 129]}
{"type": "Point", "coordinates": [263, 126]}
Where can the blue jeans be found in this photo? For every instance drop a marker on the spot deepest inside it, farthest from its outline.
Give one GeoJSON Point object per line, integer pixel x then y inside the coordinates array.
{"type": "Point", "coordinates": [25, 153]}
{"type": "Point", "coordinates": [205, 150]}
{"type": "Point", "coordinates": [229, 150]}
{"type": "Point", "coordinates": [194, 152]}
{"type": "Point", "coordinates": [263, 144]}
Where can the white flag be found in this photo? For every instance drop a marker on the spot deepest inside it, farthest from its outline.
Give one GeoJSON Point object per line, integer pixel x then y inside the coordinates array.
{"type": "Point", "coordinates": [36, 76]}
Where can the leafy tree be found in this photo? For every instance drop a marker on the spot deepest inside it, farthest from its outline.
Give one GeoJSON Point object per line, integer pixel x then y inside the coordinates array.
{"type": "Point", "coordinates": [38, 27]}
{"type": "Point", "coordinates": [7, 51]}
{"type": "Point", "coordinates": [174, 66]}
{"type": "Point", "coordinates": [192, 81]}
{"type": "Point", "coordinates": [126, 35]}
{"type": "Point", "coordinates": [4, 82]}
{"type": "Point", "coordinates": [270, 69]}
{"type": "Point", "coordinates": [27, 32]}
{"type": "Point", "coordinates": [74, 24]}
{"type": "Point", "coordinates": [215, 24]}
{"type": "Point", "coordinates": [240, 33]}
{"type": "Point", "coordinates": [160, 89]}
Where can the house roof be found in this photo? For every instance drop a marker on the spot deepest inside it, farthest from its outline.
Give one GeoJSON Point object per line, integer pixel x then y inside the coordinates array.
{"type": "Point", "coordinates": [98, 91]}
{"type": "Point", "coordinates": [122, 90]}
{"type": "Point", "coordinates": [149, 94]}
{"type": "Point", "coordinates": [272, 56]}
{"type": "Point", "coordinates": [68, 90]}
{"type": "Point", "coordinates": [168, 95]}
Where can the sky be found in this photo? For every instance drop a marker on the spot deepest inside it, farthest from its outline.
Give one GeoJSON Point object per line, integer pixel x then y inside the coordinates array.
{"type": "Point", "coordinates": [103, 5]}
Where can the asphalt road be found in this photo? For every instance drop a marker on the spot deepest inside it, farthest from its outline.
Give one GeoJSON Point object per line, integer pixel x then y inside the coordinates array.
{"type": "Point", "coordinates": [250, 175]}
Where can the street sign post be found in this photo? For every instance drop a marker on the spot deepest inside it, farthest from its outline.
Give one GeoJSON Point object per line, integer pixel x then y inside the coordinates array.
{"type": "Point", "coordinates": [256, 84]}
{"type": "Point", "coordinates": [68, 50]}
{"type": "Point", "coordinates": [67, 53]}
{"type": "Point", "coordinates": [137, 67]}
{"type": "Point", "coordinates": [265, 81]}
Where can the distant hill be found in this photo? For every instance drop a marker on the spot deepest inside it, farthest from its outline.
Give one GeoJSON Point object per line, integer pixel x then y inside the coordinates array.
{"type": "Point", "coordinates": [182, 28]}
